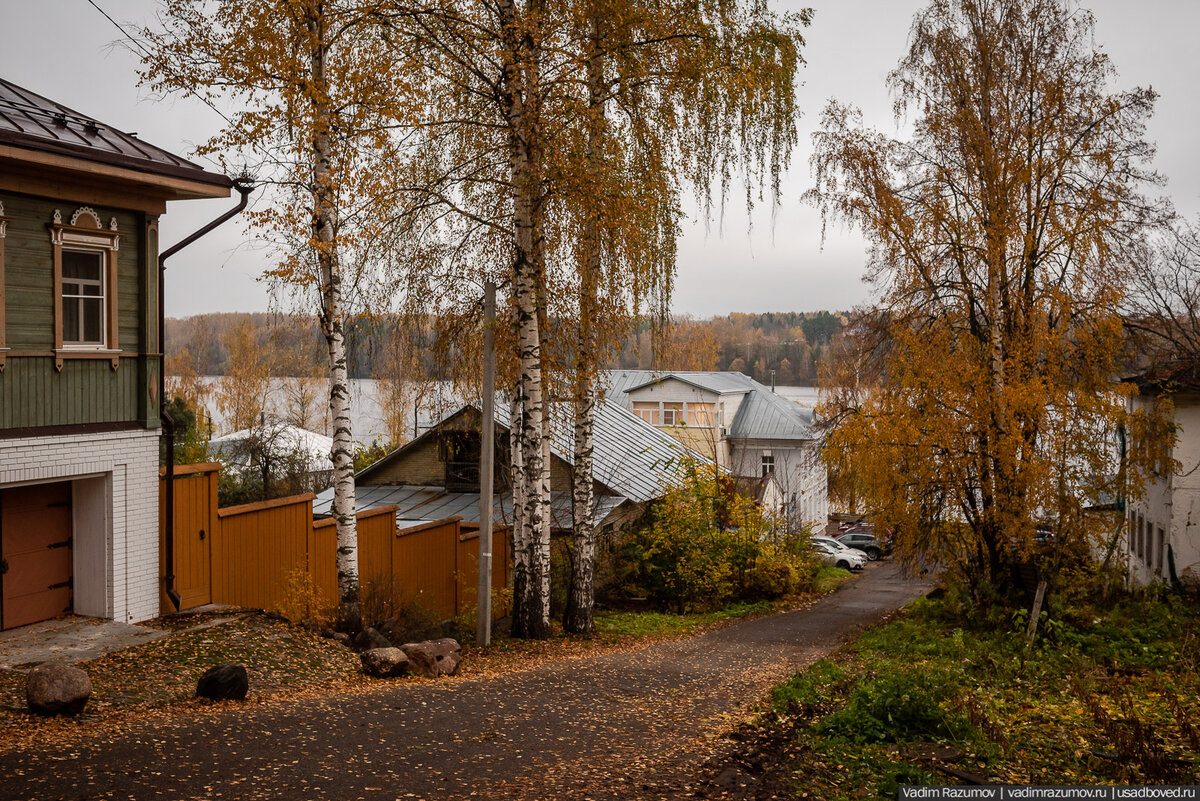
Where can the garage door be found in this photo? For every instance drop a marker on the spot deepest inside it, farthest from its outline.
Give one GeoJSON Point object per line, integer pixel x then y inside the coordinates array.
{"type": "Point", "coordinates": [35, 553]}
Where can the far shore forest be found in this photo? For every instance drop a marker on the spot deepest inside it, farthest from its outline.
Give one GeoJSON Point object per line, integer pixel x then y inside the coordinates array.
{"type": "Point", "coordinates": [793, 344]}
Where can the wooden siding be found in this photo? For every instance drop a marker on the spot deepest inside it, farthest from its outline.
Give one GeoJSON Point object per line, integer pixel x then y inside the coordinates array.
{"type": "Point", "coordinates": [28, 274]}
{"type": "Point", "coordinates": [257, 551]}
{"type": "Point", "coordinates": [34, 394]}
{"type": "Point", "coordinates": [87, 390]}
{"type": "Point", "coordinates": [426, 558]}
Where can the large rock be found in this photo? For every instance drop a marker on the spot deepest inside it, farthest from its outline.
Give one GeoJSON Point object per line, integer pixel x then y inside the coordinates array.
{"type": "Point", "coordinates": [434, 658]}
{"type": "Point", "coordinates": [370, 638]}
{"type": "Point", "coordinates": [224, 682]}
{"type": "Point", "coordinates": [57, 689]}
{"type": "Point", "coordinates": [384, 662]}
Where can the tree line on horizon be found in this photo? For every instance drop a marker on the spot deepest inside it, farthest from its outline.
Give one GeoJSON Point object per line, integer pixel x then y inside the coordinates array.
{"type": "Point", "coordinates": [792, 344]}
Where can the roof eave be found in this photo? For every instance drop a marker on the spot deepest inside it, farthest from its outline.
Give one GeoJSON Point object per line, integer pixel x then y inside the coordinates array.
{"type": "Point", "coordinates": [171, 183]}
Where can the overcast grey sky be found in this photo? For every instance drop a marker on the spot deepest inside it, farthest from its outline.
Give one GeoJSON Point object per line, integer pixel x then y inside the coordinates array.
{"type": "Point", "coordinates": [62, 49]}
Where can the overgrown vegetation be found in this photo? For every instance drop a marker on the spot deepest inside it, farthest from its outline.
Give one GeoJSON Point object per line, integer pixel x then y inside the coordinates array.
{"type": "Point", "coordinates": [1109, 698]}
{"type": "Point", "coordinates": [705, 546]}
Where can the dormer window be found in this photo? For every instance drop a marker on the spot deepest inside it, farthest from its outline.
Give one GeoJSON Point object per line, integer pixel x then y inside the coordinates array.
{"type": "Point", "coordinates": [83, 298]}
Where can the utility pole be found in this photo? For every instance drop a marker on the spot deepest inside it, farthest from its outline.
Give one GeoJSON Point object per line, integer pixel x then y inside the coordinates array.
{"type": "Point", "coordinates": [487, 453]}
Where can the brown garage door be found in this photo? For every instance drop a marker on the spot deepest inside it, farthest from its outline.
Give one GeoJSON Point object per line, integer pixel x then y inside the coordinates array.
{"type": "Point", "coordinates": [35, 546]}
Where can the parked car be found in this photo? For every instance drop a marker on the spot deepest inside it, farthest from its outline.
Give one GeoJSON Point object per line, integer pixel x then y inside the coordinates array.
{"type": "Point", "coordinates": [865, 542]}
{"type": "Point", "coordinates": [831, 553]}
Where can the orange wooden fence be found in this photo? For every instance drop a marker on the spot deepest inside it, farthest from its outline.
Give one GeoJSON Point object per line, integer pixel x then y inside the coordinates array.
{"type": "Point", "coordinates": [261, 555]}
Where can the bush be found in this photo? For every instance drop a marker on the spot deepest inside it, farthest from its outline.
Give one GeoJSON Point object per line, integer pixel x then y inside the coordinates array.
{"type": "Point", "coordinates": [706, 546]}
{"type": "Point", "coordinates": [897, 707]}
{"type": "Point", "coordinates": [774, 576]}
{"type": "Point", "coordinates": [812, 688]}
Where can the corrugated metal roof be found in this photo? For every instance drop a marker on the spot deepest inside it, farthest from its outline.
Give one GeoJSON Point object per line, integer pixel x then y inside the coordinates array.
{"type": "Point", "coordinates": [31, 121]}
{"type": "Point", "coordinates": [765, 415]}
{"type": "Point", "coordinates": [761, 415]}
{"type": "Point", "coordinates": [417, 504]}
{"type": "Point", "coordinates": [630, 456]}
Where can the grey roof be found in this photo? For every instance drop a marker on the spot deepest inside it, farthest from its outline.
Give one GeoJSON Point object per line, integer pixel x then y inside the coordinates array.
{"type": "Point", "coordinates": [765, 415]}
{"type": "Point", "coordinates": [31, 121]}
{"type": "Point", "coordinates": [761, 415]}
{"type": "Point", "coordinates": [722, 383]}
{"type": "Point", "coordinates": [629, 456]}
{"type": "Point", "coordinates": [420, 504]}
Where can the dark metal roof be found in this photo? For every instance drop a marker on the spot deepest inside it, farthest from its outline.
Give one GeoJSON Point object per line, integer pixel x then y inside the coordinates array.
{"type": "Point", "coordinates": [31, 121]}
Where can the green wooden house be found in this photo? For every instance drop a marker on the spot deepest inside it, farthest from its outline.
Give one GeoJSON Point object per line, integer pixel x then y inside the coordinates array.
{"type": "Point", "coordinates": [79, 360]}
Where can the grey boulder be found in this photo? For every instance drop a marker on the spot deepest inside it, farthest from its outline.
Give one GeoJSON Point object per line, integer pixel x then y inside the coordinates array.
{"type": "Point", "coordinates": [57, 689]}
{"type": "Point", "coordinates": [433, 658]}
{"type": "Point", "coordinates": [384, 662]}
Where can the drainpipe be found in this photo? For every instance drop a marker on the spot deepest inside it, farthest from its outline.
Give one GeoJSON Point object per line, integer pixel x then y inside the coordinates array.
{"type": "Point", "coordinates": [244, 186]}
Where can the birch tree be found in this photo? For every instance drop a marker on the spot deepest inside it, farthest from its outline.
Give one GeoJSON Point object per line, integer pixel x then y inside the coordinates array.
{"type": "Point", "coordinates": [996, 235]}
{"type": "Point", "coordinates": [316, 92]}
{"type": "Point", "coordinates": [698, 92]}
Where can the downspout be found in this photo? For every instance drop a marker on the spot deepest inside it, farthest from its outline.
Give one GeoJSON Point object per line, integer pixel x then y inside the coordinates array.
{"type": "Point", "coordinates": [244, 186]}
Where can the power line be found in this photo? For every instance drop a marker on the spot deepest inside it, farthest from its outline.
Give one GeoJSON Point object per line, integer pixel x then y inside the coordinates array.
{"type": "Point", "coordinates": [140, 47]}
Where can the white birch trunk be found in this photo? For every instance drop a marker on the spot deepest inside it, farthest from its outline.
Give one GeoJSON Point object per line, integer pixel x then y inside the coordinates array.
{"type": "Point", "coordinates": [521, 87]}
{"type": "Point", "coordinates": [325, 233]}
{"type": "Point", "coordinates": [519, 534]}
{"type": "Point", "coordinates": [581, 601]}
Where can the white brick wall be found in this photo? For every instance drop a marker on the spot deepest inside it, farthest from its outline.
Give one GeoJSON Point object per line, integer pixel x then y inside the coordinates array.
{"type": "Point", "coordinates": [129, 460]}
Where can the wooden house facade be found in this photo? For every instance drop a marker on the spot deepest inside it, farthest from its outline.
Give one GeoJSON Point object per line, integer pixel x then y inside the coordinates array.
{"type": "Point", "coordinates": [79, 360]}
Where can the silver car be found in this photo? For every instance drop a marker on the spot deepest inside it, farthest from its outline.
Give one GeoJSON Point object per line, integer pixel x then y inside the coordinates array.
{"type": "Point", "coordinates": [834, 553]}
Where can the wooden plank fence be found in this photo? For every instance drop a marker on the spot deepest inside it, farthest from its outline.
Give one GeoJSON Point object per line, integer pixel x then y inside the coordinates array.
{"type": "Point", "coordinates": [274, 555]}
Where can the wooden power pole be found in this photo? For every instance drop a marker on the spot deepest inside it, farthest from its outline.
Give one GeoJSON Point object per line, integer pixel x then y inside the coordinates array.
{"type": "Point", "coordinates": [487, 454]}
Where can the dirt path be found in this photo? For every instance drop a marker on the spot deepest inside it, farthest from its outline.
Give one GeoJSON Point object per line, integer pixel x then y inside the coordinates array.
{"type": "Point", "coordinates": [607, 726]}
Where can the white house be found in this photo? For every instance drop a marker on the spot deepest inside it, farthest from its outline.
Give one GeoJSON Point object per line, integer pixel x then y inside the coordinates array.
{"type": "Point", "coordinates": [740, 424]}
{"type": "Point", "coordinates": [1163, 534]}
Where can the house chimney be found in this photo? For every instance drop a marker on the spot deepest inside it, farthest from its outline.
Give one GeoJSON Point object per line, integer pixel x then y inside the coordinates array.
{"type": "Point", "coordinates": [772, 381]}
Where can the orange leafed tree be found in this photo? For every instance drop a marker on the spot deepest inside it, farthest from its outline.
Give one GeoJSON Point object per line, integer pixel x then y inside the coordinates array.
{"type": "Point", "coordinates": [317, 94]}
{"type": "Point", "coordinates": [996, 231]}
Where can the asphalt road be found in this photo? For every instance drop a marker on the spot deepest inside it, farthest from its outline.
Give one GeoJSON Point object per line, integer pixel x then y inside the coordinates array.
{"type": "Point", "coordinates": [597, 727]}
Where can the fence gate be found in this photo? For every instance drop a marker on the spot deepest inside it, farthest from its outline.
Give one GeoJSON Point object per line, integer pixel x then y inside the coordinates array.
{"type": "Point", "coordinates": [195, 520]}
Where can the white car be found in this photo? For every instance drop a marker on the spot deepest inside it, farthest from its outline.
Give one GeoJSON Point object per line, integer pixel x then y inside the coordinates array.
{"type": "Point", "coordinates": [834, 553]}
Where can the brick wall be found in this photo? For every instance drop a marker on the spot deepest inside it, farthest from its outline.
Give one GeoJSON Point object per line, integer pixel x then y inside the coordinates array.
{"type": "Point", "coordinates": [125, 464]}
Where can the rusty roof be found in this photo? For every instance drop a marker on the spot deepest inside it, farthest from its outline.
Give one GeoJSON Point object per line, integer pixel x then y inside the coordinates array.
{"type": "Point", "coordinates": [28, 120]}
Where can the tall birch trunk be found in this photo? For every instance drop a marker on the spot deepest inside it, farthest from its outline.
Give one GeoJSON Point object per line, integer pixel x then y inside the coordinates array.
{"type": "Point", "coordinates": [332, 323]}
{"type": "Point", "coordinates": [581, 600]}
{"type": "Point", "coordinates": [521, 87]}
{"type": "Point", "coordinates": [519, 534]}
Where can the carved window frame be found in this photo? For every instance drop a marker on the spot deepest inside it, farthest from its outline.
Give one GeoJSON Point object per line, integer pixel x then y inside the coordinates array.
{"type": "Point", "coordinates": [84, 232]}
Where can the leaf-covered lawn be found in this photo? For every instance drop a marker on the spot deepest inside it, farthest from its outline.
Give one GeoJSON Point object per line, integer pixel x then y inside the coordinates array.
{"type": "Point", "coordinates": [278, 657]}
{"type": "Point", "coordinates": [1114, 698]}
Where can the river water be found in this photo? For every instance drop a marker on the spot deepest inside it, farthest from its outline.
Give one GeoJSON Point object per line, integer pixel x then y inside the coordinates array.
{"type": "Point", "coordinates": [367, 415]}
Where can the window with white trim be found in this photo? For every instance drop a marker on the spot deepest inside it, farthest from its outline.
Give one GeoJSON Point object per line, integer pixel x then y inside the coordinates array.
{"type": "Point", "coordinates": [768, 463]}
{"type": "Point", "coordinates": [672, 413]}
{"type": "Point", "coordinates": [83, 307]}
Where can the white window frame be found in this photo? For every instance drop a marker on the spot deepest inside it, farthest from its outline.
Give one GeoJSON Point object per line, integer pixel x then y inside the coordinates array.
{"type": "Point", "coordinates": [77, 300]}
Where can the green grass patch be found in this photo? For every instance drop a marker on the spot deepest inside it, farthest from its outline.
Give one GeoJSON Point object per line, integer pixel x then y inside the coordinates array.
{"type": "Point", "coordinates": [829, 578]}
{"type": "Point", "coordinates": [658, 624]}
{"type": "Point", "coordinates": [1110, 698]}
